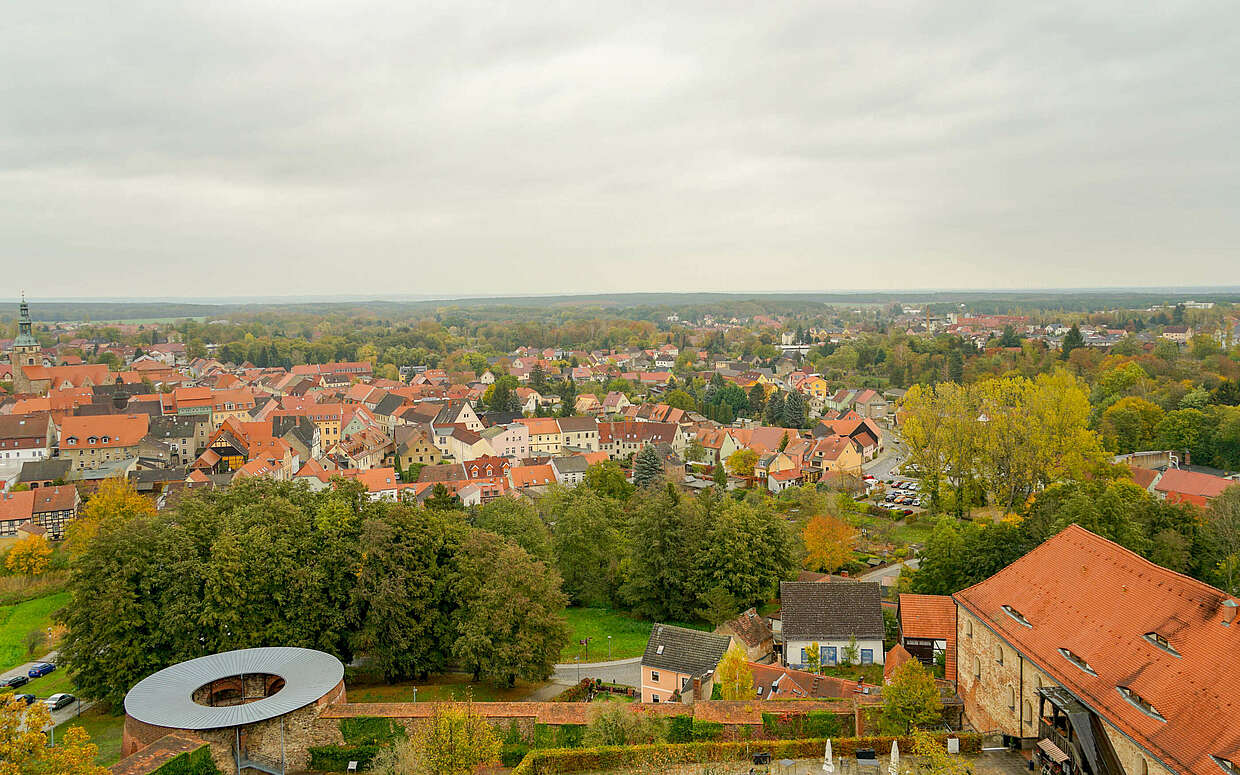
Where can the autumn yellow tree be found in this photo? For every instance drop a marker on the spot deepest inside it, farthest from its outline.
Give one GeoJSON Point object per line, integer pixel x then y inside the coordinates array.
{"type": "Point", "coordinates": [829, 543]}
{"type": "Point", "coordinates": [741, 462]}
{"type": "Point", "coordinates": [30, 556]}
{"type": "Point", "coordinates": [24, 749]}
{"type": "Point", "coordinates": [734, 676]}
{"type": "Point", "coordinates": [115, 501]}
{"type": "Point", "coordinates": [456, 740]}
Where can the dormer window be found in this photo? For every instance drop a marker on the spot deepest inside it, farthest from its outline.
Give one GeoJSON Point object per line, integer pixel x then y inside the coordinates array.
{"type": "Point", "coordinates": [1076, 660]}
{"type": "Point", "coordinates": [71, 441]}
{"type": "Point", "coordinates": [1161, 643]}
{"type": "Point", "coordinates": [1139, 702]}
{"type": "Point", "coordinates": [1017, 615]}
{"type": "Point", "coordinates": [92, 440]}
{"type": "Point", "coordinates": [1229, 767]}
{"type": "Point", "coordinates": [105, 439]}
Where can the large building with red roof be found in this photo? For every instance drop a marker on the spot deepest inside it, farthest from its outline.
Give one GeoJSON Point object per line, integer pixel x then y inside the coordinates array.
{"type": "Point", "coordinates": [1103, 660]}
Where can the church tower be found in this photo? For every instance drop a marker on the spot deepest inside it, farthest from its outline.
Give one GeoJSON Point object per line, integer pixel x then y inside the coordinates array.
{"type": "Point", "coordinates": [26, 350]}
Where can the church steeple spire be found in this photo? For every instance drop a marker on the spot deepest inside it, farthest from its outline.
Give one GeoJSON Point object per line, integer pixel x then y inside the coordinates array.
{"type": "Point", "coordinates": [25, 334]}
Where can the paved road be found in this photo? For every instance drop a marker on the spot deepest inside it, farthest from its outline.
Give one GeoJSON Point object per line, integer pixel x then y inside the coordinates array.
{"type": "Point", "coordinates": [626, 672]}
{"type": "Point", "coordinates": [60, 716]}
{"type": "Point", "coordinates": [894, 454]}
{"type": "Point", "coordinates": [891, 571]}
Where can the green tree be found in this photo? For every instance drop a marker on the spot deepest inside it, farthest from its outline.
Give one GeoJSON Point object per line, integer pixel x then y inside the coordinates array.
{"type": "Point", "coordinates": [508, 624]}
{"type": "Point", "coordinates": [501, 396]}
{"type": "Point", "coordinates": [1130, 424]}
{"type": "Point", "coordinates": [720, 476]}
{"type": "Point", "coordinates": [795, 410]}
{"type": "Point", "coordinates": [516, 521]}
{"type": "Point", "coordinates": [747, 552]}
{"type": "Point", "coordinates": [403, 592]}
{"type": "Point", "coordinates": [1071, 341]}
{"type": "Point", "coordinates": [718, 606]}
{"type": "Point", "coordinates": [756, 399]}
{"type": "Point", "coordinates": [647, 467]}
{"type": "Point", "coordinates": [587, 545]}
{"type": "Point", "coordinates": [910, 700]}
{"type": "Point", "coordinates": [443, 499]}
{"type": "Point", "coordinates": [851, 654]}
{"type": "Point", "coordinates": [666, 534]}
{"type": "Point", "coordinates": [813, 658]}
{"type": "Point", "coordinates": [775, 410]}
{"type": "Point", "coordinates": [608, 480]}
{"type": "Point", "coordinates": [1221, 528]}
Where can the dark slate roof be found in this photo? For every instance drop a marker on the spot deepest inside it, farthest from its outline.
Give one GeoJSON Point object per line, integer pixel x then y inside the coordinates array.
{"type": "Point", "coordinates": [44, 470]}
{"type": "Point", "coordinates": [811, 609]}
{"type": "Point", "coordinates": [389, 405]}
{"type": "Point", "coordinates": [172, 427]}
{"type": "Point", "coordinates": [500, 418]}
{"type": "Point", "coordinates": [682, 650]}
{"type": "Point", "coordinates": [570, 465]}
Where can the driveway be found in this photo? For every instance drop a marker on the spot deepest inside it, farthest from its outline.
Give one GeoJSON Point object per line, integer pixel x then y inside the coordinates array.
{"type": "Point", "coordinates": [626, 672]}
{"type": "Point", "coordinates": [22, 669]}
{"type": "Point", "coordinates": [60, 716]}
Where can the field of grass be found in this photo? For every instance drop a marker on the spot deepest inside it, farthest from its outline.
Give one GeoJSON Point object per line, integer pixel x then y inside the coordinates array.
{"type": "Point", "coordinates": [450, 686]}
{"type": "Point", "coordinates": [17, 621]}
{"type": "Point", "coordinates": [628, 635]}
{"type": "Point", "coordinates": [104, 730]}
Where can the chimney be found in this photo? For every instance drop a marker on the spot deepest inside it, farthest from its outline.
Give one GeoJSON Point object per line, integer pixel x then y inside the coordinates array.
{"type": "Point", "coordinates": [1230, 608]}
{"type": "Point", "coordinates": [697, 688]}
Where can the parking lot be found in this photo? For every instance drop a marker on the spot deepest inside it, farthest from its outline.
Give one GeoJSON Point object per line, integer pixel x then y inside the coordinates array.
{"type": "Point", "coordinates": [34, 686]}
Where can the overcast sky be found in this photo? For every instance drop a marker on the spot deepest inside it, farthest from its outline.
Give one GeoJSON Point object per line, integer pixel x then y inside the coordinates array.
{"type": "Point", "coordinates": [256, 147]}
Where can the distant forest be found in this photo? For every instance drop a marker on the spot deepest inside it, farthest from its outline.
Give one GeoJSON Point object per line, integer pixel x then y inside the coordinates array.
{"type": "Point", "coordinates": [639, 305]}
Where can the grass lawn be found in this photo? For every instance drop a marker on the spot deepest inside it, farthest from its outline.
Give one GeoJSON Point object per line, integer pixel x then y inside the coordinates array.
{"type": "Point", "coordinates": [608, 697]}
{"type": "Point", "coordinates": [54, 682]}
{"type": "Point", "coordinates": [104, 730]}
{"type": "Point", "coordinates": [17, 621]}
{"type": "Point", "coordinates": [450, 686]}
{"type": "Point", "coordinates": [916, 533]}
{"type": "Point", "coordinates": [628, 634]}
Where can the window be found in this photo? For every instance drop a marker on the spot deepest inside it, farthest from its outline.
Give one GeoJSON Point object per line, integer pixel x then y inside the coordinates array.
{"type": "Point", "coordinates": [1076, 660]}
{"type": "Point", "coordinates": [1017, 615]}
{"type": "Point", "coordinates": [999, 654]}
{"type": "Point", "coordinates": [1011, 699]}
{"type": "Point", "coordinates": [1139, 702]}
{"type": "Point", "coordinates": [683, 682]}
{"type": "Point", "coordinates": [92, 440]}
{"type": "Point", "coordinates": [804, 657]}
{"type": "Point", "coordinates": [968, 628]}
{"type": "Point", "coordinates": [828, 655]}
{"type": "Point", "coordinates": [977, 667]}
{"type": "Point", "coordinates": [654, 698]}
{"type": "Point", "coordinates": [1161, 643]}
{"type": "Point", "coordinates": [867, 656]}
{"type": "Point", "coordinates": [654, 676]}
{"type": "Point", "coordinates": [1229, 767]}
{"type": "Point", "coordinates": [71, 440]}
{"type": "Point", "coordinates": [1028, 717]}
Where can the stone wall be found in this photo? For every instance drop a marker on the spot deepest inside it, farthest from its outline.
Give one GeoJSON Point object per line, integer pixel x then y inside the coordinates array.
{"type": "Point", "coordinates": [987, 701]}
{"type": "Point", "coordinates": [293, 734]}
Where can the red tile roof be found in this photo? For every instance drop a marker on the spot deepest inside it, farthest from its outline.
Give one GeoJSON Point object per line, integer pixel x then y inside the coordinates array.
{"type": "Point", "coordinates": [894, 658]}
{"type": "Point", "coordinates": [1098, 600]}
{"type": "Point", "coordinates": [933, 617]}
{"type": "Point", "coordinates": [1181, 482]}
{"type": "Point", "coordinates": [120, 430]}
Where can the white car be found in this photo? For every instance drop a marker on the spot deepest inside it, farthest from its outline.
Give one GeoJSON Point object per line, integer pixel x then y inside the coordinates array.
{"type": "Point", "coordinates": [58, 701]}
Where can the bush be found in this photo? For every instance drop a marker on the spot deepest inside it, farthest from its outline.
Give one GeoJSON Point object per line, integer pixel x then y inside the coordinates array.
{"type": "Point", "coordinates": [370, 731]}
{"type": "Point", "coordinates": [512, 754]}
{"type": "Point", "coordinates": [196, 762]}
{"type": "Point", "coordinates": [578, 693]}
{"type": "Point", "coordinates": [336, 758]}
{"type": "Point", "coordinates": [680, 729]}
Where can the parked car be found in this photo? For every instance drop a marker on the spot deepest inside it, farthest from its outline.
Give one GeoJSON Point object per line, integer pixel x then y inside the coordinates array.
{"type": "Point", "coordinates": [15, 681]}
{"type": "Point", "coordinates": [26, 698]}
{"type": "Point", "coordinates": [40, 669]}
{"type": "Point", "coordinates": [58, 701]}
{"type": "Point", "coordinates": [907, 512]}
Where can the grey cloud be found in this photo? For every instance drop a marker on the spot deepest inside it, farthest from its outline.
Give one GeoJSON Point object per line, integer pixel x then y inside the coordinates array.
{"type": "Point", "coordinates": [249, 147]}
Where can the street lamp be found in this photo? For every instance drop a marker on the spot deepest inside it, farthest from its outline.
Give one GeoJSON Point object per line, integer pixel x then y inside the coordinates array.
{"type": "Point", "coordinates": [608, 648]}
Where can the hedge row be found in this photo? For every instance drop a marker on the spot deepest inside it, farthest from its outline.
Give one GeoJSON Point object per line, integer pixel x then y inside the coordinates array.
{"type": "Point", "coordinates": [335, 758]}
{"type": "Point", "coordinates": [559, 761]}
{"type": "Point", "coordinates": [196, 762]}
{"type": "Point", "coordinates": [369, 730]}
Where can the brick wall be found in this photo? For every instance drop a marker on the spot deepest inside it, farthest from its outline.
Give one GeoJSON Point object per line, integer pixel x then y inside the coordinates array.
{"type": "Point", "coordinates": [986, 701]}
